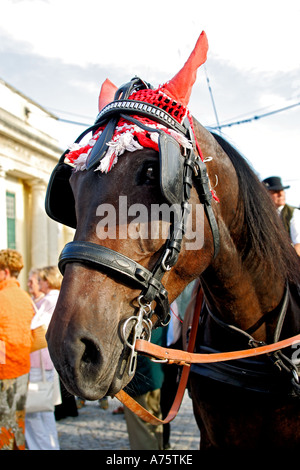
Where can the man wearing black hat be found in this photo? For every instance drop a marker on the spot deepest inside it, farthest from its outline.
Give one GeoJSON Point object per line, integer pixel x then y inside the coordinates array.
{"type": "Point", "coordinates": [290, 216]}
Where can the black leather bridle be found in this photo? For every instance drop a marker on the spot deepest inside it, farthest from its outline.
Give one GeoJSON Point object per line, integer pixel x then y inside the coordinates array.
{"type": "Point", "coordinates": [191, 171]}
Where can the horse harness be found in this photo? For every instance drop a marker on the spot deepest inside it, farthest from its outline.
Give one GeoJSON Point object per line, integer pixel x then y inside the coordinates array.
{"type": "Point", "coordinates": [263, 367]}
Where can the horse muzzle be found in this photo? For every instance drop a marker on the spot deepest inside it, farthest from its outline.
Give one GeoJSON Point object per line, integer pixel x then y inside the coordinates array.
{"type": "Point", "coordinates": [81, 366]}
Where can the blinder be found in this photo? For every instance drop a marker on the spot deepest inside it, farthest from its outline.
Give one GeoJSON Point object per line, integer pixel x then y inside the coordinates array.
{"type": "Point", "coordinates": [171, 169]}
{"type": "Point", "coordinates": [59, 202]}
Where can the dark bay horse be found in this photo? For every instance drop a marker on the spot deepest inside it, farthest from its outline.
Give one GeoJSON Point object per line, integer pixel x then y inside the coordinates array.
{"type": "Point", "coordinates": [120, 274]}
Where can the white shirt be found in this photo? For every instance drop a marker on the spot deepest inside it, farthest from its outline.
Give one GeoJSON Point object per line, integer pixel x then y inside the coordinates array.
{"type": "Point", "coordinates": [294, 225]}
{"type": "Point", "coordinates": [44, 312]}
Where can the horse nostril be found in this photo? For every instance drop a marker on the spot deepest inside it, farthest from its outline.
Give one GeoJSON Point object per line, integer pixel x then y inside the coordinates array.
{"type": "Point", "coordinates": [91, 354]}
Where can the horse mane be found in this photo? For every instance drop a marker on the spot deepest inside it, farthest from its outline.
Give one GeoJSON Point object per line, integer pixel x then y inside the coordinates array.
{"type": "Point", "coordinates": [263, 239]}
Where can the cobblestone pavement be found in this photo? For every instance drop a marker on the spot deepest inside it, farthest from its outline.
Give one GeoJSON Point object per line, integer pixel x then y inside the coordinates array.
{"type": "Point", "coordinates": [97, 429]}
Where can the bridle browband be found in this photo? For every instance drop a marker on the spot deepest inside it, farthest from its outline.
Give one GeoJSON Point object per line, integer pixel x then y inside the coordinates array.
{"type": "Point", "coordinates": [194, 172]}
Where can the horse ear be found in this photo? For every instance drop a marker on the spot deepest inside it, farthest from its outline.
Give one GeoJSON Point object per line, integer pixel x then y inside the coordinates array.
{"type": "Point", "coordinates": [107, 93]}
{"type": "Point", "coordinates": [180, 87]}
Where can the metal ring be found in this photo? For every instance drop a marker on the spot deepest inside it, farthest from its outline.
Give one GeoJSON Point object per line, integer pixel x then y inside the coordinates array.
{"type": "Point", "coordinates": [163, 262]}
{"type": "Point", "coordinates": [160, 361]}
{"type": "Point", "coordinates": [144, 305]}
{"type": "Point", "coordinates": [166, 321]}
{"type": "Point", "coordinates": [148, 324]}
{"type": "Point", "coordinates": [147, 328]}
{"type": "Point", "coordinates": [135, 319]}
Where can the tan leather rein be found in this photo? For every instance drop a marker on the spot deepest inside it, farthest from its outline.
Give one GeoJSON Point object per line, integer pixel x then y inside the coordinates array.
{"type": "Point", "coordinates": [186, 358]}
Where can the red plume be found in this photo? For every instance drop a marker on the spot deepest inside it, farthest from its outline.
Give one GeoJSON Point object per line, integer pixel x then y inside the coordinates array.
{"type": "Point", "coordinates": [107, 93]}
{"type": "Point", "coordinates": [180, 87]}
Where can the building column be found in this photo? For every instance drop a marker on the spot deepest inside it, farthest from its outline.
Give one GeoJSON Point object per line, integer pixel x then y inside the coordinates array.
{"type": "Point", "coordinates": [3, 215]}
{"type": "Point", "coordinates": [39, 237]}
{"type": "Point", "coordinates": [53, 234]}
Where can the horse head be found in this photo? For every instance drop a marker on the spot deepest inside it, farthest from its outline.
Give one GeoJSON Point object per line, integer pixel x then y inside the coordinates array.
{"type": "Point", "coordinates": [122, 270]}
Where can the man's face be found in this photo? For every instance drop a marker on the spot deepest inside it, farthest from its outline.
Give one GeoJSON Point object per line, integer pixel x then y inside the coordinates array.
{"type": "Point", "coordinates": [278, 197]}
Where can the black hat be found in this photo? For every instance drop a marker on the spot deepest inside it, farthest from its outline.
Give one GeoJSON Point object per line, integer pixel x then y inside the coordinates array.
{"type": "Point", "coordinates": [273, 183]}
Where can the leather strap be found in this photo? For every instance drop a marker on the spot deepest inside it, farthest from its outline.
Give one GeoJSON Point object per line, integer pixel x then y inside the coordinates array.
{"type": "Point", "coordinates": [100, 148]}
{"type": "Point", "coordinates": [184, 357]}
{"type": "Point", "coordinates": [204, 192]}
{"type": "Point", "coordinates": [140, 410]}
{"type": "Point", "coordinates": [140, 108]}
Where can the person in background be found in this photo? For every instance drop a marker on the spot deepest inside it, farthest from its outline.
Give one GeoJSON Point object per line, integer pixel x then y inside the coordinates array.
{"type": "Point", "coordinates": [34, 288]}
{"type": "Point", "coordinates": [172, 372]}
{"type": "Point", "coordinates": [40, 430]}
{"type": "Point", "coordinates": [145, 389]}
{"type": "Point", "coordinates": [290, 216]}
{"type": "Point", "coordinates": [49, 279]}
{"type": "Point", "coordinates": [16, 313]}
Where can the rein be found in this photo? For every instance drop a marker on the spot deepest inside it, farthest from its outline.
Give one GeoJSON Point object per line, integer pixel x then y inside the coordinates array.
{"type": "Point", "coordinates": [186, 358]}
{"type": "Point", "coordinates": [176, 356]}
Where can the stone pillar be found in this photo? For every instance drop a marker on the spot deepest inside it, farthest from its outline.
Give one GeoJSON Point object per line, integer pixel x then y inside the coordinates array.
{"type": "Point", "coordinates": [39, 239]}
{"type": "Point", "coordinates": [53, 250]}
{"type": "Point", "coordinates": [66, 235]}
{"type": "Point", "coordinates": [3, 216]}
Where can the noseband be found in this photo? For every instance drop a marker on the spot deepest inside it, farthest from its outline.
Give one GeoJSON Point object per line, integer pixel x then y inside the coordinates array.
{"type": "Point", "coordinates": [189, 170]}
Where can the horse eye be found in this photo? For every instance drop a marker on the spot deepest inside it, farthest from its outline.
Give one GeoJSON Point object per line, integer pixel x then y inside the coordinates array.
{"type": "Point", "coordinates": [149, 174]}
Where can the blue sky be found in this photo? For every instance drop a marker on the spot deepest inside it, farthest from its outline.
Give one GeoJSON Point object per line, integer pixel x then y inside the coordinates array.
{"type": "Point", "coordinates": [58, 52]}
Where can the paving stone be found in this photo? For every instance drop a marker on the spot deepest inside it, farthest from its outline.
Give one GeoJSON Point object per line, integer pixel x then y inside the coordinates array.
{"type": "Point", "coordinates": [98, 429]}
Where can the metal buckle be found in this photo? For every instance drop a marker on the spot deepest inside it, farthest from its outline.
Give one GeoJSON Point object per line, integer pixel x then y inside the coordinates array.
{"type": "Point", "coordinates": [159, 361]}
{"type": "Point", "coordinates": [141, 329]}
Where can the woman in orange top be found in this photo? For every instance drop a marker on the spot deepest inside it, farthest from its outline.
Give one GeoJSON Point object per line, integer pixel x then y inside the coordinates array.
{"type": "Point", "coordinates": [16, 313]}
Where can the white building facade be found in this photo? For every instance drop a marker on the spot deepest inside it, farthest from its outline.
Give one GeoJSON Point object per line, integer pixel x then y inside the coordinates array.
{"type": "Point", "coordinates": [28, 155]}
